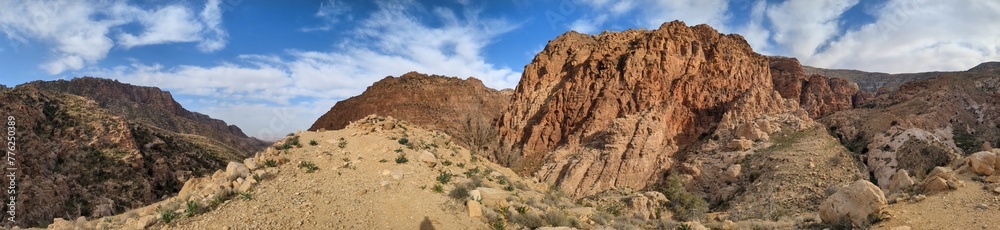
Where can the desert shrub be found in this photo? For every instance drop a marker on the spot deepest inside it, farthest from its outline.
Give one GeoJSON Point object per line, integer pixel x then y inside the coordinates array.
{"type": "Point", "coordinates": [558, 218]}
{"type": "Point", "coordinates": [309, 166]}
{"type": "Point", "coordinates": [167, 215]}
{"type": "Point", "coordinates": [686, 206]}
{"type": "Point", "coordinates": [459, 193]}
{"type": "Point", "coordinates": [245, 196]}
{"type": "Point", "coordinates": [531, 220]}
{"type": "Point", "coordinates": [342, 143]}
{"type": "Point", "coordinates": [444, 177]}
{"type": "Point", "coordinates": [401, 159]}
{"type": "Point", "coordinates": [294, 141]}
{"type": "Point", "coordinates": [403, 141]}
{"type": "Point", "coordinates": [191, 209]}
{"type": "Point", "coordinates": [313, 142]}
{"type": "Point", "coordinates": [270, 163]}
{"type": "Point", "coordinates": [479, 134]}
{"type": "Point", "coordinates": [446, 163]}
{"type": "Point", "coordinates": [460, 165]}
{"type": "Point", "coordinates": [438, 188]}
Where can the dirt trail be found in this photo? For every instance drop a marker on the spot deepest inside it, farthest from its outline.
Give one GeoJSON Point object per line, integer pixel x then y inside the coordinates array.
{"type": "Point", "coordinates": [955, 209]}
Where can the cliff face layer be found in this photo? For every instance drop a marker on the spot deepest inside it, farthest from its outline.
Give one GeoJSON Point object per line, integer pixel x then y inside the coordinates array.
{"type": "Point", "coordinates": [817, 94]}
{"type": "Point", "coordinates": [606, 111]}
{"type": "Point", "coordinates": [79, 156]}
{"type": "Point", "coordinates": [465, 109]}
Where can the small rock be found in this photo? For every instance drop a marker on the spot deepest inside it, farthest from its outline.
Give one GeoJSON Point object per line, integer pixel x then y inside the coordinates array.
{"type": "Point", "coordinates": [428, 158]}
{"type": "Point", "coordinates": [982, 206]}
{"type": "Point", "coordinates": [904, 227]}
{"type": "Point", "coordinates": [475, 195]}
{"type": "Point", "coordinates": [145, 221]}
{"type": "Point", "coordinates": [983, 162]}
{"type": "Point", "coordinates": [919, 198]}
{"type": "Point", "coordinates": [251, 165]}
{"type": "Point", "coordinates": [386, 172]}
{"type": "Point", "coordinates": [899, 181]}
{"type": "Point", "coordinates": [996, 190]}
{"type": "Point", "coordinates": [475, 208]}
{"type": "Point", "coordinates": [397, 175]}
{"type": "Point", "coordinates": [740, 145]}
{"type": "Point", "coordinates": [936, 184]}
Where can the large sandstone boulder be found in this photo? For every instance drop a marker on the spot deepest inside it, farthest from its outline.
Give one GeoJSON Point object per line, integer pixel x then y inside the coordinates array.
{"type": "Point", "coordinates": [940, 179]}
{"type": "Point", "coordinates": [900, 181]}
{"type": "Point", "coordinates": [983, 163]}
{"type": "Point", "coordinates": [858, 204]}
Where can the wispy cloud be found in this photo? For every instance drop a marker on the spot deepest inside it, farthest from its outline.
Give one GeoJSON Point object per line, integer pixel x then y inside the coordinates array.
{"type": "Point", "coordinates": [396, 38]}
{"type": "Point", "coordinates": [331, 12]}
{"type": "Point", "coordinates": [82, 33]}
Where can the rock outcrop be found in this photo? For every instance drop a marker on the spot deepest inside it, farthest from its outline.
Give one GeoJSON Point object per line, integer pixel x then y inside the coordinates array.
{"type": "Point", "coordinates": [82, 158]}
{"type": "Point", "coordinates": [818, 95]}
{"type": "Point", "coordinates": [596, 112]}
{"type": "Point", "coordinates": [857, 205]}
{"type": "Point", "coordinates": [465, 109]}
{"type": "Point", "coordinates": [923, 124]}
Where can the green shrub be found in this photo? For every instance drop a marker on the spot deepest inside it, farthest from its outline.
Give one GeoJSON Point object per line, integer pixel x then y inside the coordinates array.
{"type": "Point", "coordinates": [399, 150]}
{"type": "Point", "coordinates": [245, 196]}
{"type": "Point", "coordinates": [444, 177]}
{"type": "Point", "coordinates": [309, 166]}
{"type": "Point", "coordinates": [313, 142]}
{"type": "Point", "coordinates": [438, 188]}
{"type": "Point", "coordinates": [460, 165]}
{"type": "Point", "coordinates": [446, 163]}
{"type": "Point", "coordinates": [270, 163]}
{"type": "Point", "coordinates": [403, 141]}
{"type": "Point", "coordinates": [686, 206]}
{"type": "Point", "coordinates": [191, 209]}
{"type": "Point", "coordinates": [167, 215]}
{"type": "Point", "coordinates": [342, 143]}
{"type": "Point", "coordinates": [401, 159]}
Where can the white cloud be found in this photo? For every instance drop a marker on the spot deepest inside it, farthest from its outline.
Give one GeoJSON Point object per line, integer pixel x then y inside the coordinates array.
{"type": "Point", "coordinates": [916, 36]}
{"type": "Point", "coordinates": [331, 12]}
{"type": "Point", "coordinates": [80, 32]}
{"type": "Point", "coordinates": [299, 86]}
{"type": "Point", "coordinates": [652, 13]}
{"type": "Point", "coordinates": [804, 26]}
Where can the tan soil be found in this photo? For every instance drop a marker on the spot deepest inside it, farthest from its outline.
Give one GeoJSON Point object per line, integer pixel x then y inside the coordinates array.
{"type": "Point", "coordinates": [948, 210]}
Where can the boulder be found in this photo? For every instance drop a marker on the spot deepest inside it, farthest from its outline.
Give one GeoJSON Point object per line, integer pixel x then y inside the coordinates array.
{"type": "Point", "coordinates": [752, 131]}
{"type": "Point", "coordinates": [983, 162]}
{"type": "Point", "coordinates": [189, 187]}
{"type": "Point", "coordinates": [641, 207]}
{"type": "Point", "coordinates": [935, 184]}
{"type": "Point", "coordinates": [236, 170]}
{"type": "Point", "coordinates": [427, 158]}
{"type": "Point", "coordinates": [739, 145]}
{"type": "Point", "coordinates": [858, 204]}
{"type": "Point", "coordinates": [900, 181]}
{"type": "Point", "coordinates": [492, 197]}
{"type": "Point", "coordinates": [475, 195]}
{"type": "Point", "coordinates": [475, 208]}
{"type": "Point", "coordinates": [939, 179]}
{"type": "Point", "coordinates": [252, 165]}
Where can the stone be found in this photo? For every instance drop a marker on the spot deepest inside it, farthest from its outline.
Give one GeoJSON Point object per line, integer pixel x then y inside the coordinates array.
{"type": "Point", "coordinates": [189, 187]}
{"type": "Point", "coordinates": [475, 195]}
{"type": "Point", "coordinates": [492, 197]}
{"type": "Point", "coordinates": [427, 158]}
{"type": "Point", "coordinates": [236, 170]}
{"type": "Point", "coordinates": [640, 206]}
{"type": "Point", "coordinates": [983, 162]}
{"type": "Point", "coordinates": [751, 131]}
{"type": "Point", "coordinates": [145, 221]}
{"type": "Point", "coordinates": [936, 184]}
{"type": "Point", "coordinates": [986, 146]}
{"type": "Point", "coordinates": [396, 175]}
{"type": "Point", "coordinates": [904, 227]}
{"type": "Point", "coordinates": [656, 196]}
{"type": "Point", "coordinates": [61, 224]}
{"type": "Point", "coordinates": [858, 204]}
{"type": "Point", "coordinates": [694, 225]}
{"type": "Point", "coordinates": [900, 181]}
{"type": "Point", "coordinates": [982, 206]}
{"type": "Point", "coordinates": [740, 145]}
{"type": "Point", "coordinates": [996, 190]}
{"type": "Point", "coordinates": [475, 208]}
{"type": "Point", "coordinates": [732, 173]}
{"type": "Point", "coordinates": [919, 198]}
{"type": "Point", "coordinates": [250, 163]}
{"type": "Point", "coordinates": [245, 187]}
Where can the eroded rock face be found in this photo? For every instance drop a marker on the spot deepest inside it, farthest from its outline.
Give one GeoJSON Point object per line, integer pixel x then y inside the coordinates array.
{"type": "Point", "coordinates": [610, 110]}
{"type": "Point", "coordinates": [817, 94]}
{"type": "Point", "coordinates": [435, 102]}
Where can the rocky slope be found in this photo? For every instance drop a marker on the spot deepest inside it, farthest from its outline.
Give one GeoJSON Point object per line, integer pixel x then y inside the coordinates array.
{"type": "Point", "coordinates": [154, 106]}
{"type": "Point", "coordinates": [924, 123]}
{"type": "Point", "coordinates": [610, 111]}
{"type": "Point", "coordinates": [463, 108]}
{"type": "Point", "coordinates": [79, 158]}
{"type": "Point", "coordinates": [871, 81]}
{"type": "Point", "coordinates": [817, 94]}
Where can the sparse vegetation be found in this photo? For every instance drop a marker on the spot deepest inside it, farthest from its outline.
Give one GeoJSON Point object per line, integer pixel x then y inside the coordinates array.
{"type": "Point", "coordinates": [401, 159]}
{"type": "Point", "coordinates": [342, 143]}
{"type": "Point", "coordinates": [438, 188]}
{"type": "Point", "coordinates": [309, 166]}
{"type": "Point", "coordinates": [459, 193]}
{"type": "Point", "coordinates": [686, 206]}
{"type": "Point", "coordinates": [460, 165]}
{"type": "Point", "coordinates": [399, 150]}
{"type": "Point", "coordinates": [446, 163]}
{"type": "Point", "coordinates": [403, 141]}
{"type": "Point", "coordinates": [313, 142]}
{"type": "Point", "coordinates": [167, 215]}
{"type": "Point", "coordinates": [245, 196]}
{"type": "Point", "coordinates": [270, 163]}
{"type": "Point", "coordinates": [191, 209]}
{"type": "Point", "coordinates": [444, 177]}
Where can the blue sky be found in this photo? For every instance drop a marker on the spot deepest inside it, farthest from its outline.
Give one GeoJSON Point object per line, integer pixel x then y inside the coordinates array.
{"type": "Point", "coordinates": [272, 67]}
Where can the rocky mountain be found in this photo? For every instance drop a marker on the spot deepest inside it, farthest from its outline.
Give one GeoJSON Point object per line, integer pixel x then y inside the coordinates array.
{"type": "Point", "coordinates": [817, 94]}
{"type": "Point", "coordinates": [464, 109]}
{"type": "Point", "coordinates": [924, 124]}
{"type": "Point", "coordinates": [154, 106]}
{"type": "Point", "coordinates": [871, 81]}
{"type": "Point", "coordinates": [92, 158]}
{"type": "Point", "coordinates": [613, 110]}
